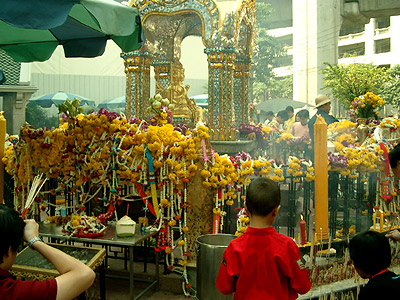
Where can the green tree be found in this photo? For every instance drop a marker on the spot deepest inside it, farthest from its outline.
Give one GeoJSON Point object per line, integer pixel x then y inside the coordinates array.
{"type": "Point", "coordinates": [281, 87]}
{"type": "Point", "coordinates": [391, 89]}
{"type": "Point", "coordinates": [349, 81]}
{"type": "Point", "coordinates": [38, 117]}
{"type": "Point", "coordinates": [266, 52]}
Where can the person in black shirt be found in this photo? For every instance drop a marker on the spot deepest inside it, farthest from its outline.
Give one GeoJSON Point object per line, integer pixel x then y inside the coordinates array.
{"type": "Point", "coordinates": [371, 255]}
{"type": "Point", "coordinates": [323, 104]}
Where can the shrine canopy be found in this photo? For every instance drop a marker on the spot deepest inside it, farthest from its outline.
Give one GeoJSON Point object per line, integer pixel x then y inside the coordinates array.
{"type": "Point", "coordinates": [31, 30]}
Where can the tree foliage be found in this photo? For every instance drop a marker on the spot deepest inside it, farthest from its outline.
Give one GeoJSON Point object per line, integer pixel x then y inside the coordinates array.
{"type": "Point", "coordinates": [349, 81]}
{"type": "Point", "coordinates": [391, 89]}
{"type": "Point", "coordinates": [281, 87]}
{"type": "Point", "coordinates": [39, 118]}
{"type": "Point", "coordinates": [266, 51]}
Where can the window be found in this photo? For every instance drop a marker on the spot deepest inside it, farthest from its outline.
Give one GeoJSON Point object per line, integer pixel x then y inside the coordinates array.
{"type": "Point", "coordinates": [382, 22]}
{"type": "Point", "coordinates": [352, 50]}
{"type": "Point", "coordinates": [382, 46]}
{"type": "Point", "coordinates": [346, 30]}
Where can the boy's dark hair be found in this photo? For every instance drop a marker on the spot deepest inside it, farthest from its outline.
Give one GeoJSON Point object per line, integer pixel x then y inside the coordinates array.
{"type": "Point", "coordinates": [370, 252]}
{"type": "Point", "coordinates": [394, 156]}
{"type": "Point", "coordinates": [283, 114]}
{"type": "Point", "coordinates": [11, 230]}
{"type": "Point", "coordinates": [303, 113]}
{"type": "Point", "coordinates": [269, 113]}
{"type": "Point", "coordinates": [262, 196]}
{"type": "Point", "coordinates": [289, 108]}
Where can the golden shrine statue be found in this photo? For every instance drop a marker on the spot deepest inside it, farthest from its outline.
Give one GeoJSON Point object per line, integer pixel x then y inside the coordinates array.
{"type": "Point", "coordinates": [185, 108]}
{"type": "Point", "coordinates": [227, 29]}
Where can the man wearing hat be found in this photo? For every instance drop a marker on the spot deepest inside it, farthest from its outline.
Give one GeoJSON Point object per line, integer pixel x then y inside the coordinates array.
{"type": "Point", "coordinates": [323, 104]}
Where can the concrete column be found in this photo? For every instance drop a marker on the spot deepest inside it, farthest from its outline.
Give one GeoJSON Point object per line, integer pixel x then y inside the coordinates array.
{"type": "Point", "coordinates": [137, 70]}
{"type": "Point", "coordinates": [394, 40]}
{"type": "Point", "coordinates": [316, 26]}
{"type": "Point", "coordinates": [369, 40]}
{"type": "Point", "coordinates": [14, 103]}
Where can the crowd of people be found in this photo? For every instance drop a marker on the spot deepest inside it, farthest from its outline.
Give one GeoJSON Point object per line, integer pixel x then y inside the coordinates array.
{"type": "Point", "coordinates": [263, 264]}
{"type": "Point", "coordinates": [299, 124]}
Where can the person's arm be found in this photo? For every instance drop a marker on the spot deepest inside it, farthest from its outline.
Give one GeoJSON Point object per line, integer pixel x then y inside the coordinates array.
{"type": "Point", "coordinates": [297, 272]}
{"type": "Point", "coordinates": [226, 282]}
{"type": "Point", "coordinates": [394, 235]}
{"type": "Point", "coordinates": [75, 276]}
{"type": "Point", "coordinates": [292, 131]}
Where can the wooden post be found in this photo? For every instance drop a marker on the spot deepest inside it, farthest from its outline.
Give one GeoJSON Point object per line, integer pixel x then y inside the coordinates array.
{"type": "Point", "coordinates": [2, 141]}
{"type": "Point", "coordinates": [321, 177]}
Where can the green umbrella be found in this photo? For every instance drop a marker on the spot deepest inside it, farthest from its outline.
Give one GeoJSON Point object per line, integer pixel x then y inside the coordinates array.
{"type": "Point", "coordinates": [114, 103]}
{"type": "Point", "coordinates": [276, 105]}
{"type": "Point", "coordinates": [58, 98]}
{"type": "Point", "coordinates": [31, 30]}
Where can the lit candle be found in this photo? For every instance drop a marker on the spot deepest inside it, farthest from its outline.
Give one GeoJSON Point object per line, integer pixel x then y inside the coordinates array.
{"type": "Point", "coordinates": [321, 175]}
{"type": "Point", "coordinates": [374, 219]}
{"type": "Point", "coordinates": [303, 230]}
{"type": "Point", "coordinates": [381, 220]}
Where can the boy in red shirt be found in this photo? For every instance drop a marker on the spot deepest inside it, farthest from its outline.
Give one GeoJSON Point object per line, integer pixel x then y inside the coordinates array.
{"type": "Point", "coordinates": [263, 264]}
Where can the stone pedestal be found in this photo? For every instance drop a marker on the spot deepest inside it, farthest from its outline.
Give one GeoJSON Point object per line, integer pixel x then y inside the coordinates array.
{"type": "Point", "coordinates": [200, 211]}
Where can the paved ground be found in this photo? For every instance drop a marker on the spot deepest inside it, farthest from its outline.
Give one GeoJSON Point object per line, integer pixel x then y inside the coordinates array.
{"type": "Point", "coordinates": [170, 286]}
{"type": "Point", "coordinates": [118, 289]}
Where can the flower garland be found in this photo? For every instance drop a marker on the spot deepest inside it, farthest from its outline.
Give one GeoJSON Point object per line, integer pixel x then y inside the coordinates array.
{"type": "Point", "coordinates": [94, 156]}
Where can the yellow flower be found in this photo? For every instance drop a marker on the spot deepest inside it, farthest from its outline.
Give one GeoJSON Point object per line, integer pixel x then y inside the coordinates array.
{"type": "Point", "coordinates": [182, 262]}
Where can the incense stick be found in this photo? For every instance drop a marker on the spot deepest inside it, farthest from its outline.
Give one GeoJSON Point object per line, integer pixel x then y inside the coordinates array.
{"type": "Point", "coordinates": [37, 184]}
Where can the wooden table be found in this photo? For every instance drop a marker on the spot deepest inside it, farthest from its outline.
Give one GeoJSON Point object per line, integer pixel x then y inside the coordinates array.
{"type": "Point", "coordinates": [109, 238]}
{"type": "Point", "coordinates": [32, 265]}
